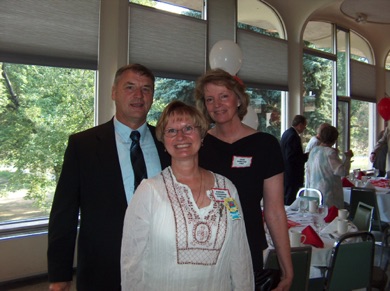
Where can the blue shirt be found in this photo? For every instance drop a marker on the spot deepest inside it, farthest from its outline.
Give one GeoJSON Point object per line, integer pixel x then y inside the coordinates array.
{"type": "Point", "coordinates": [149, 150]}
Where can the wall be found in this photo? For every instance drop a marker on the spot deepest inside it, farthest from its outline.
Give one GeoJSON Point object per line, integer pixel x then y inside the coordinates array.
{"type": "Point", "coordinates": [23, 257]}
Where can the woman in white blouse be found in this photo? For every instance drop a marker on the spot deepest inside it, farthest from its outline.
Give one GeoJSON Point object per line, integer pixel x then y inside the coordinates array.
{"type": "Point", "coordinates": [184, 228]}
{"type": "Point", "coordinates": [325, 168]}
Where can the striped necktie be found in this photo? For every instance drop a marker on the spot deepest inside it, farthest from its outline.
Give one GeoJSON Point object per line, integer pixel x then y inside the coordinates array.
{"type": "Point", "coordinates": [137, 159]}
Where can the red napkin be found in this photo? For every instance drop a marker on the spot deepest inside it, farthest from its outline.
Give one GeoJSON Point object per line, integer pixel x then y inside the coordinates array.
{"type": "Point", "coordinates": [347, 183]}
{"type": "Point", "coordinates": [360, 175]}
{"type": "Point", "coordinates": [382, 183]}
{"type": "Point", "coordinates": [333, 212]}
{"type": "Point", "coordinates": [291, 223]}
{"type": "Point", "coordinates": [312, 237]}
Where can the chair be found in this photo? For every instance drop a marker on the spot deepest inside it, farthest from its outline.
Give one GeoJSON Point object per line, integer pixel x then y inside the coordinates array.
{"type": "Point", "coordinates": [363, 216]}
{"type": "Point", "coordinates": [379, 276]}
{"type": "Point", "coordinates": [351, 264]}
{"type": "Point", "coordinates": [367, 196]}
{"type": "Point", "coordinates": [311, 193]}
{"type": "Point", "coordinates": [301, 257]}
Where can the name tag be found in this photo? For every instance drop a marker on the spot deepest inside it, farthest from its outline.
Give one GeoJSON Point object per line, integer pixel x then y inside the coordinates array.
{"type": "Point", "coordinates": [241, 162]}
{"type": "Point", "coordinates": [220, 194]}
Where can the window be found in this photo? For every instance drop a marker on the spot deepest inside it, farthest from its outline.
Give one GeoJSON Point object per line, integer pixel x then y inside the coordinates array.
{"type": "Point", "coordinates": [359, 133]}
{"type": "Point", "coordinates": [192, 8]}
{"type": "Point", "coordinates": [267, 105]}
{"type": "Point", "coordinates": [342, 62]}
{"type": "Point", "coordinates": [166, 90]}
{"type": "Point", "coordinates": [39, 108]}
{"type": "Point", "coordinates": [259, 17]}
{"type": "Point", "coordinates": [360, 49]}
{"type": "Point", "coordinates": [319, 36]}
{"type": "Point", "coordinates": [318, 93]}
{"type": "Point", "coordinates": [326, 53]}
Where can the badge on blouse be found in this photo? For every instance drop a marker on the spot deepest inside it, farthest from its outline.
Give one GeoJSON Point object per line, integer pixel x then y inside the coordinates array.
{"type": "Point", "coordinates": [220, 194]}
{"type": "Point", "coordinates": [241, 162]}
{"type": "Point", "coordinates": [231, 206]}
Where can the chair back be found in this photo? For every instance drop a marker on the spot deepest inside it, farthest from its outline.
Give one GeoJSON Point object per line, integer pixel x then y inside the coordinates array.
{"type": "Point", "coordinates": [385, 249]}
{"type": "Point", "coordinates": [367, 196]}
{"type": "Point", "coordinates": [300, 257]}
{"type": "Point", "coordinates": [311, 193]}
{"type": "Point", "coordinates": [363, 216]}
{"type": "Point", "coordinates": [351, 263]}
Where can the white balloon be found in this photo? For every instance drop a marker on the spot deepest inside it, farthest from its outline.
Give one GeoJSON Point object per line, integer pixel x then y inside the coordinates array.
{"type": "Point", "coordinates": [226, 55]}
{"type": "Point", "coordinates": [251, 119]}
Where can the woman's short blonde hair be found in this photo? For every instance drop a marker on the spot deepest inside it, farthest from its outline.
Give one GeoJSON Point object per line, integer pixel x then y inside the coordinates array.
{"type": "Point", "coordinates": [221, 78]}
{"type": "Point", "coordinates": [179, 108]}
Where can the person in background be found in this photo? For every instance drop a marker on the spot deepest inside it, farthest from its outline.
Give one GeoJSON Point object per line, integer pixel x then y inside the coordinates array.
{"type": "Point", "coordinates": [294, 158]}
{"type": "Point", "coordinates": [184, 228]}
{"type": "Point", "coordinates": [252, 160]}
{"type": "Point", "coordinates": [325, 168]}
{"type": "Point", "coordinates": [381, 152]}
{"type": "Point", "coordinates": [96, 183]}
{"type": "Point", "coordinates": [315, 140]}
{"type": "Point", "coordinates": [274, 124]}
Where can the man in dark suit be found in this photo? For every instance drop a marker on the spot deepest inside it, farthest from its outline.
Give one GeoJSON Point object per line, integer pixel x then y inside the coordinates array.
{"type": "Point", "coordinates": [96, 183]}
{"type": "Point", "coordinates": [294, 158]}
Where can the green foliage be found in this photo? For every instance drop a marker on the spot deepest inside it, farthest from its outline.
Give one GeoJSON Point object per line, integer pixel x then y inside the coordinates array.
{"type": "Point", "coordinates": [150, 3]}
{"type": "Point", "coordinates": [168, 90]}
{"type": "Point", "coordinates": [257, 29]}
{"type": "Point", "coordinates": [317, 100]}
{"type": "Point", "coordinates": [359, 127]}
{"type": "Point", "coordinates": [39, 108]}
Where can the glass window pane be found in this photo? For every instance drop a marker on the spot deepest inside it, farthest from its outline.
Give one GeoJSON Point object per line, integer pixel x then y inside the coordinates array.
{"type": "Point", "coordinates": [192, 8]}
{"type": "Point", "coordinates": [39, 108]}
{"type": "Point", "coordinates": [388, 62]}
{"type": "Point", "coordinates": [267, 105]}
{"type": "Point", "coordinates": [359, 134]}
{"type": "Point", "coordinates": [360, 50]}
{"type": "Point", "coordinates": [342, 63]}
{"type": "Point", "coordinates": [259, 17]}
{"type": "Point", "coordinates": [343, 120]}
{"type": "Point", "coordinates": [167, 90]}
{"type": "Point", "coordinates": [319, 36]}
{"type": "Point", "coordinates": [318, 93]}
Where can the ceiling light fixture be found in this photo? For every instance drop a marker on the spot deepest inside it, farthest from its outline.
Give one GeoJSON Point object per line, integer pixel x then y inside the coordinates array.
{"type": "Point", "coordinates": [361, 18]}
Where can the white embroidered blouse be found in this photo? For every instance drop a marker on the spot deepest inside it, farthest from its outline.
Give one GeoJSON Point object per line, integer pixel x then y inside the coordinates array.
{"type": "Point", "coordinates": [170, 244]}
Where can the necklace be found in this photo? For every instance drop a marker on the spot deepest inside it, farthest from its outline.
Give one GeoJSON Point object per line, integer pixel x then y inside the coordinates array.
{"type": "Point", "coordinates": [200, 189]}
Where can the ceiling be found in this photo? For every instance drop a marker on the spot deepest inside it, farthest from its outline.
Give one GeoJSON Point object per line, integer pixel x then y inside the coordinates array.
{"type": "Point", "coordinates": [367, 11]}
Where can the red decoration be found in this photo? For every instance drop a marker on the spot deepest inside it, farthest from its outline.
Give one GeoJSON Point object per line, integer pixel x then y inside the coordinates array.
{"type": "Point", "coordinates": [384, 108]}
{"type": "Point", "coordinates": [238, 80]}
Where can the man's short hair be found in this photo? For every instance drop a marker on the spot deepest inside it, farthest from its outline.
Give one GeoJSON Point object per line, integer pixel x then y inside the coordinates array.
{"type": "Point", "coordinates": [298, 119]}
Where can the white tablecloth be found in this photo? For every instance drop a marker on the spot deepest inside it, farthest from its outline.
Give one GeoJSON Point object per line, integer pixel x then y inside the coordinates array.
{"type": "Point", "coordinates": [320, 256]}
{"type": "Point", "coordinates": [383, 199]}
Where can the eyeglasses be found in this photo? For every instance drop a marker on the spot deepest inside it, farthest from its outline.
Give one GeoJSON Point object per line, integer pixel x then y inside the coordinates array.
{"type": "Point", "coordinates": [186, 130]}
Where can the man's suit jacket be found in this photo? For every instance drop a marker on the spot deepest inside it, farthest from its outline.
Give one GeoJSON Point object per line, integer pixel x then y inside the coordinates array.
{"type": "Point", "coordinates": [382, 150]}
{"type": "Point", "coordinates": [91, 181]}
{"type": "Point", "coordinates": [294, 160]}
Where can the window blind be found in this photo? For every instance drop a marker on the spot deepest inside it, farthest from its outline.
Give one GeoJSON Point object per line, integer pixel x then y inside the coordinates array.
{"type": "Point", "coordinates": [50, 32]}
{"type": "Point", "coordinates": [167, 43]}
{"type": "Point", "coordinates": [264, 59]}
{"type": "Point", "coordinates": [363, 81]}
